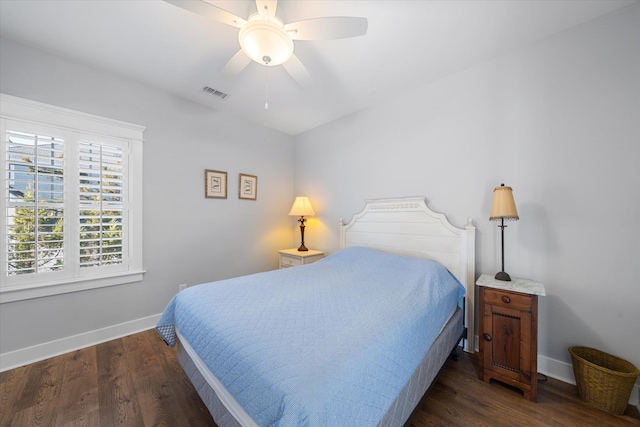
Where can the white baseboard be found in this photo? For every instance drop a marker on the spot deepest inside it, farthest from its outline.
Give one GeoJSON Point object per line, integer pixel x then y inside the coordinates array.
{"type": "Point", "coordinates": [24, 356]}
{"type": "Point", "coordinates": [563, 371]}
{"type": "Point", "coordinates": [557, 369]}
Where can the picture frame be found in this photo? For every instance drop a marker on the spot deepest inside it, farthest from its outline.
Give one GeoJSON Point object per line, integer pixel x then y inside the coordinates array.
{"type": "Point", "coordinates": [248, 187]}
{"type": "Point", "coordinates": [215, 184]}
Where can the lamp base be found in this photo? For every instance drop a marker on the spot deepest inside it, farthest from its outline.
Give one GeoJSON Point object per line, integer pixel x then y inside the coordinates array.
{"type": "Point", "coordinates": [302, 247]}
{"type": "Point", "coordinates": [501, 276]}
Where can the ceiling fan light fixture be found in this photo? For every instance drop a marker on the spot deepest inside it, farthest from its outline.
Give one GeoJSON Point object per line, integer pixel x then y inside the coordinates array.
{"type": "Point", "coordinates": [266, 39]}
{"type": "Point", "coordinates": [265, 42]}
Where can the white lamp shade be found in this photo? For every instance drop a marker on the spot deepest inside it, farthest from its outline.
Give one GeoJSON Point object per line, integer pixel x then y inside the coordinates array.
{"type": "Point", "coordinates": [261, 39]}
{"type": "Point", "coordinates": [301, 207]}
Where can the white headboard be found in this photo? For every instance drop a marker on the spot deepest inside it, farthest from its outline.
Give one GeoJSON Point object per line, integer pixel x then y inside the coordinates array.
{"type": "Point", "coordinates": [406, 226]}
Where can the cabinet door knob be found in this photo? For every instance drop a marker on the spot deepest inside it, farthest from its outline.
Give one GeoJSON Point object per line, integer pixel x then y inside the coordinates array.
{"type": "Point", "coordinates": [506, 299]}
{"type": "Point", "coordinates": [487, 337]}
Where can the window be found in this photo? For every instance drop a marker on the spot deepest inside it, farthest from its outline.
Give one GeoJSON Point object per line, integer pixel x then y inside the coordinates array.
{"type": "Point", "coordinates": [71, 216]}
{"type": "Point", "coordinates": [101, 204]}
{"type": "Point", "coordinates": [35, 208]}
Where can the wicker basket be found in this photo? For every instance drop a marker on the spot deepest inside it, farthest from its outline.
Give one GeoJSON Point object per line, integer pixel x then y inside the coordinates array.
{"type": "Point", "coordinates": [603, 380]}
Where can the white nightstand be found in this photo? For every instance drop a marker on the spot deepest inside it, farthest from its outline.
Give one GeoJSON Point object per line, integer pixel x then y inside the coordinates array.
{"type": "Point", "coordinates": [293, 257]}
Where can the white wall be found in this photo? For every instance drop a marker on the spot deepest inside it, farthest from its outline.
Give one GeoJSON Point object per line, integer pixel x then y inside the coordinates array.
{"type": "Point", "coordinates": [559, 122]}
{"type": "Point", "coordinates": [187, 238]}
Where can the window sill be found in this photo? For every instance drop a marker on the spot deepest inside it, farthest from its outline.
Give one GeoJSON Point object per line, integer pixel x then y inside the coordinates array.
{"type": "Point", "coordinates": [19, 293]}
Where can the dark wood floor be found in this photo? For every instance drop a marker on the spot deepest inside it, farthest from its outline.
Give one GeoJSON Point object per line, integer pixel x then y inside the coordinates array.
{"type": "Point", "coordinates": [137, 381]}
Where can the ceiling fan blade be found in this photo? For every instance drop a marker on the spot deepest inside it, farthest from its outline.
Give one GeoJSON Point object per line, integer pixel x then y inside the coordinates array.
{"type": "Point", "coordinates": [298, 71]}
{"type": "Point", "coordinates": [267, 8]}
{"type": "Point", "coordinates": [210, 11]}
{"type": "Point", "coordinates": [327, 28]}
{"type": "Point", "coordinates": [237, 63]}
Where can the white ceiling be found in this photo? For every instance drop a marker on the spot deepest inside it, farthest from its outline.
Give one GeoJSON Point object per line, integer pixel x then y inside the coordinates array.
{"type": "Point", "coordinates": [408, 44]}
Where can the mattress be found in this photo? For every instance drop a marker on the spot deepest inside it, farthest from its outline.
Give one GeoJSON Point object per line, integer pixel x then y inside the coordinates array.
{"type": "Point", "coordinates": [330, 343]}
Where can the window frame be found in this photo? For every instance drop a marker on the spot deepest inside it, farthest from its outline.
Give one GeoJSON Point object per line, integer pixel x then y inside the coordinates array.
{"type": "Point", "coordinates": [78, 125]}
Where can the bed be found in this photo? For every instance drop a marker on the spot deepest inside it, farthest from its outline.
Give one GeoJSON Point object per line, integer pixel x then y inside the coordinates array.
{"type": "Point", "coordinates": [353, 339]}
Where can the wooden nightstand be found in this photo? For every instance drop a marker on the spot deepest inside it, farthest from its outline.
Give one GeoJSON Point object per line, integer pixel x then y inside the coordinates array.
{"type": "Point", "coordinates": [293, 257]}
{"type": "Point", "coordinates": [508, 314]}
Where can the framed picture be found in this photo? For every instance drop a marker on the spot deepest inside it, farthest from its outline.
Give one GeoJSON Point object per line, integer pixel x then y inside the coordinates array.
{"type": "Point", "coordinates": [248, 187]}
{"type": "Point", "coordinates": [215, 184]}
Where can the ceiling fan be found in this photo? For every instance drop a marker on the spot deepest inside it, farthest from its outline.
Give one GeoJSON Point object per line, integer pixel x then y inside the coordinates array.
{"type": "Point", "coordinates": [267, 40]}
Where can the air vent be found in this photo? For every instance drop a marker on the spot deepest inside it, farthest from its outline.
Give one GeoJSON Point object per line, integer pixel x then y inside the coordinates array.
{"type": "Point", "coordinates": [211, 91]}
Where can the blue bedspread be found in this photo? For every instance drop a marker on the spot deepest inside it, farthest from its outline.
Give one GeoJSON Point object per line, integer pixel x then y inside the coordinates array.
{"type": "Point", "coordinates": [325, 344]}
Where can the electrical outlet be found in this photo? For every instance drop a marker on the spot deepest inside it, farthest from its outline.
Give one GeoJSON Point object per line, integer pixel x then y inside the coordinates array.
{"type": "Point", "coordinates": [182, 287]}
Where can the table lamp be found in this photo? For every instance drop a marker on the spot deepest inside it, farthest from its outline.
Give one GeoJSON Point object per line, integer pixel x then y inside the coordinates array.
{"type": "Point", "coordinates": [302, 207]}
{"type": "Point", "coordinates": [503, 207]}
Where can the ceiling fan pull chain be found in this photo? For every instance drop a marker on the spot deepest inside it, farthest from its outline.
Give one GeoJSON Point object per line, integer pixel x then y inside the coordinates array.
{"type": "Point", "coordinates": [266, 88]}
